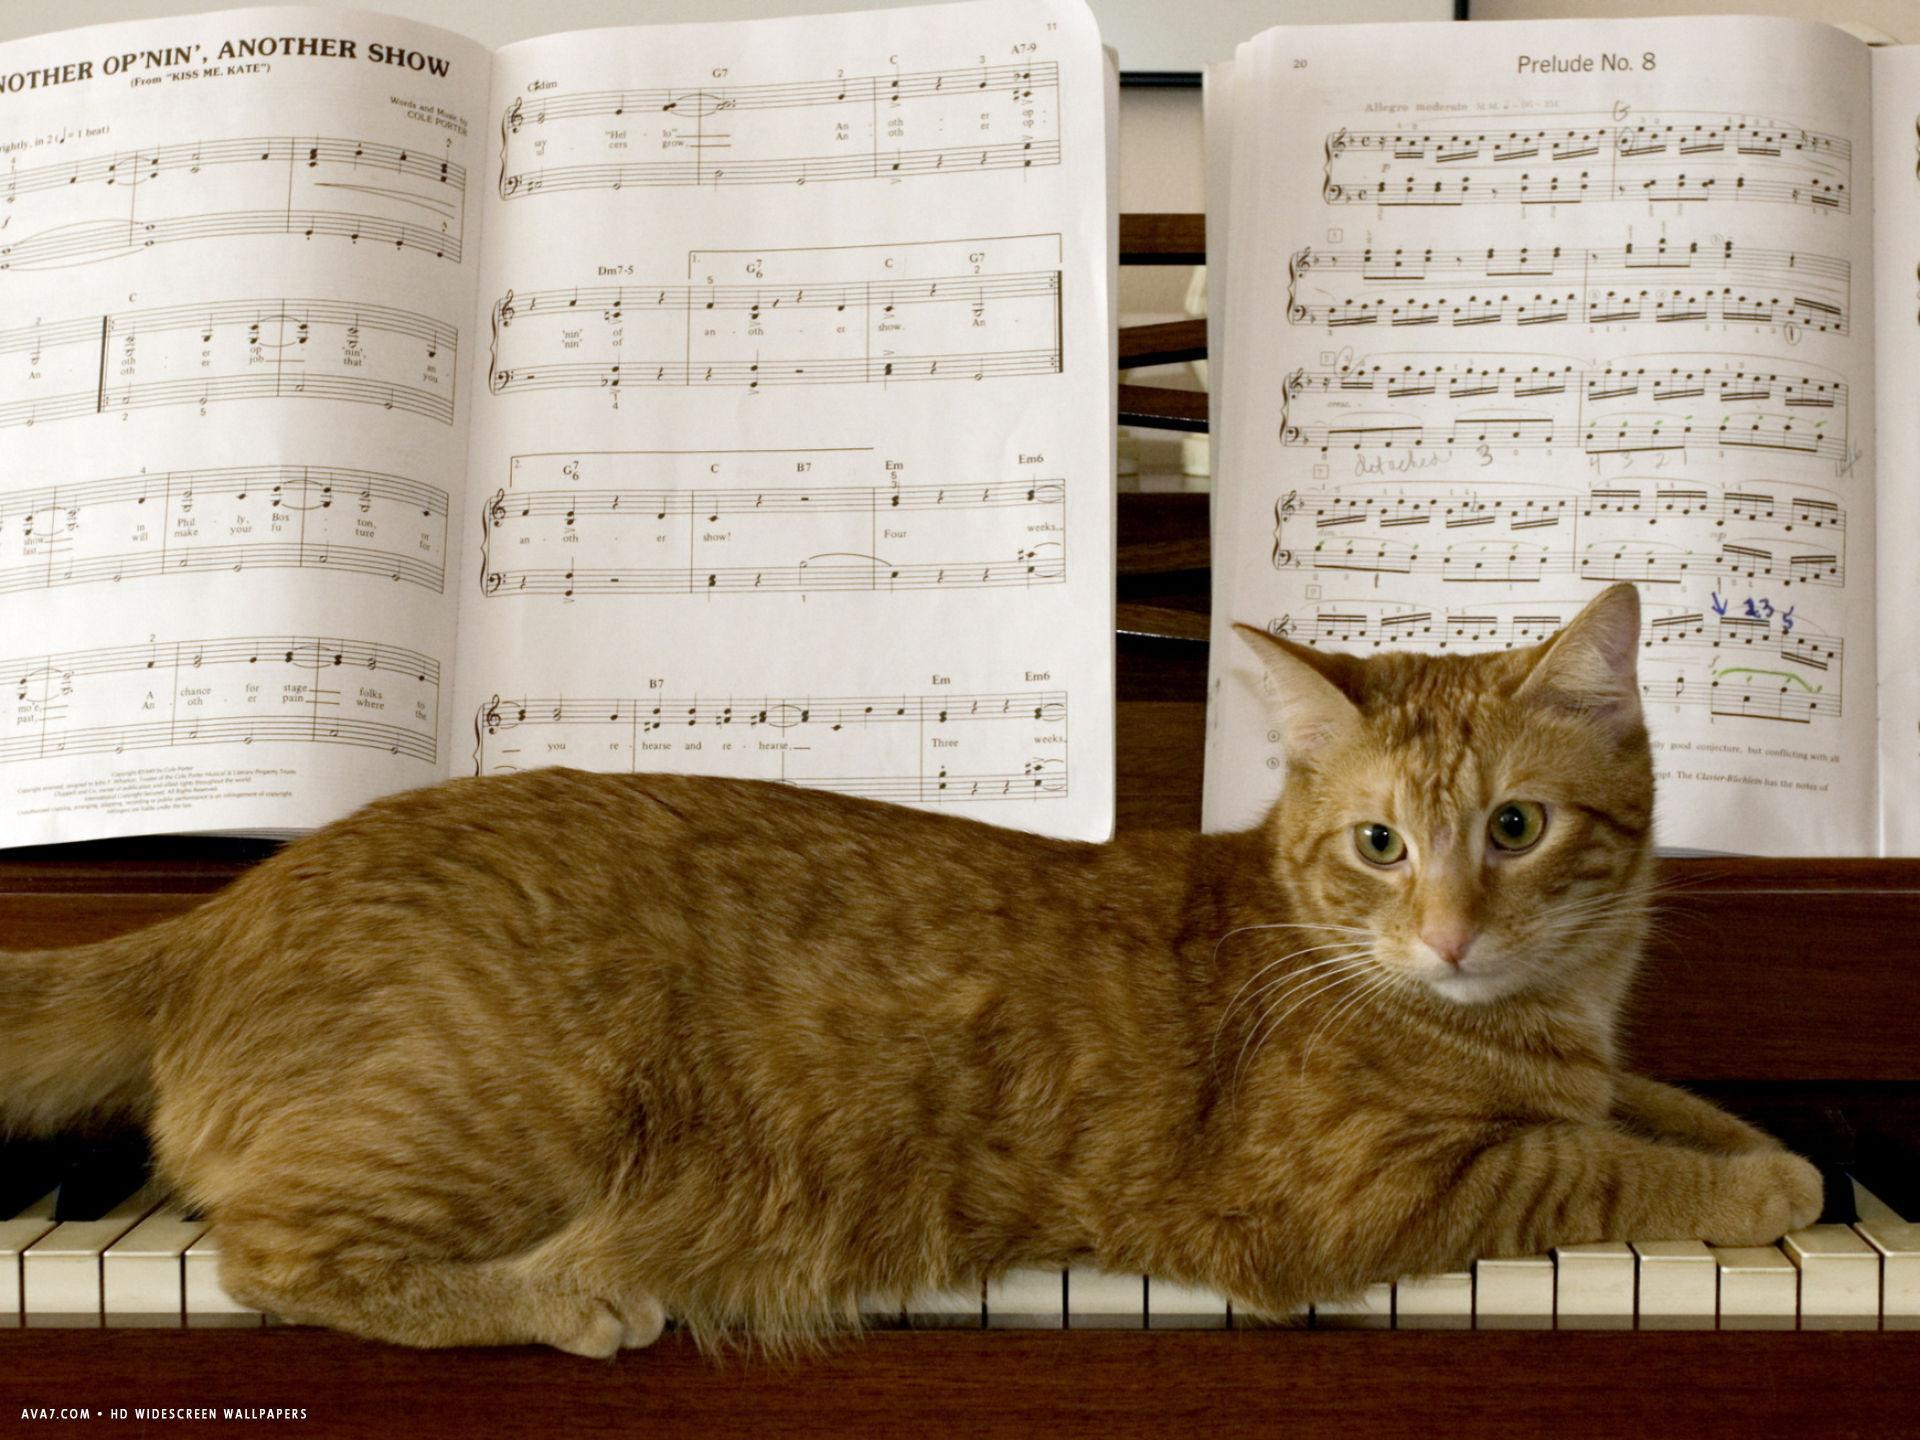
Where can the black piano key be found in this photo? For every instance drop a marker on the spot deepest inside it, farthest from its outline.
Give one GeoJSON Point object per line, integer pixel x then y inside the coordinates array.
{"type": "Point", "coordinates": [1889, 1166]}
{"type": "Point", "coordinates": [28, 1170]}
{"type": "Point", "coordinates": [1827, 1136]}
{"type": "Point", "coordinates": [1837, 1205]}
{"type": "Point", "coordinates": [99, 1175]}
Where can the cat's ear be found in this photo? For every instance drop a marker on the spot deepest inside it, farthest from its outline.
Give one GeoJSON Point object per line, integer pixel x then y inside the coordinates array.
{"type": "Point", "coordinates": [1304, 691]}
{"type": "Point", "coordinates": [1589, 666]}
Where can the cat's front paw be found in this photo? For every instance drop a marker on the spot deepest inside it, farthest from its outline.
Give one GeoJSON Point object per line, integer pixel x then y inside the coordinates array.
{"type": "Point", "coordinates": [1765, 1194]}
{"type": "Point", "coordinates": [605, 1328]}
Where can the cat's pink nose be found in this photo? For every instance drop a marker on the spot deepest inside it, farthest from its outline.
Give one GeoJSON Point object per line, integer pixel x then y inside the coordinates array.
{"type": "Point", "coordinates": [1449, 939]}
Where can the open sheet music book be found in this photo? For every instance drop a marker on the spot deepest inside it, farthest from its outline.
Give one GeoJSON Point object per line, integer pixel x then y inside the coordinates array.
{"type": "Point", "coordinates": [1516, 311]}
{"type": "Point", "coordinates": [729, 398]}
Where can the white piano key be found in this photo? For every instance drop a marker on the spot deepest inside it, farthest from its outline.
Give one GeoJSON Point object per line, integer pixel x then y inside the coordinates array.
{"type": "Point", "coordinates": [1027, 1300]}
{"type": "Point", "coordinates": [144, 1274]}
{"type": "Point", "coordinates": [1759, 1288]}
{"type": "Point", "coordinates": [60, 1272]}
{"type": "Point", "coordinates": [1898, 1242]}
{"type": "Point", "coordinates": [16, 1236]}
{"type": "Point", "coordinates": [1184, 1307]}
{"type": "Point", "coordinates": [1839, 1278]}
{"type": "Point", "coordinates": [208, 1303]}
{"type": "Point", "coordinates": [881, 1310]}
{"type": "Point", "coordinates": [1679, 1285]}
{"type": "Point", "coordinates": [1434, 1302]}
{"type": "Point", "coordinates": [1244, 1317]}
{"type": "Point", "coordinates": [1100, 1300]}
{"type": "Point", "coordinates": [1372, 1309]}
{"type": "Point", "coordinates": [958, 1307]}
{"type": "Point", "coordinates": [1593, 1286]}
{"type": "Point", "coordinates": [1514, 1293]}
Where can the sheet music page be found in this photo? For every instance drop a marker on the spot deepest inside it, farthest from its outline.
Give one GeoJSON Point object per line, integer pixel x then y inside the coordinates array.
{"type": "Point", "coordinates": [1896, 158]}
{"type": "Point", "coordinates": [795, 457]}
{"type": "Point", "coordinates": [236, 274]}
{"type": "Point", "coordinates": [1523, 310]}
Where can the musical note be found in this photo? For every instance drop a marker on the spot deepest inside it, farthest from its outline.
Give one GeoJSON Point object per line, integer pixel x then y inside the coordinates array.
{"type": "Point", "coordinates": [716, 335]}
{"type": "Point", "coordinates": [1626, 407]}
{"type": "Point", "coordinates": [572, 153]}
{"type": "Point", "coordinates": [1664, 283]}
{"type": "Point", "coordinates": [250, 341]}
{"type": "Point", "coordinates": [204, 522]}
{"type": "Point", "coordinates": [1670, 159]}
{"type": "Point", "coordinates": [100, 700]}
{"type": "Point", "coordinates": [551, 534]}
{"type": "Point", "coordinates": [859, 745]}
{"type": "Point", "coordinates": [267, 185]}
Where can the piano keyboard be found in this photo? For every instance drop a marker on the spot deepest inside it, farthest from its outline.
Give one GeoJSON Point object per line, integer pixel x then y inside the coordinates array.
{"type": "Point", "coordinates": [98, 1245]}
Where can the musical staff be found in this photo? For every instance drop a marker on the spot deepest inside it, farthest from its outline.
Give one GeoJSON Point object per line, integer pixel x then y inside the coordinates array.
{"type": "Point", "coordinates": [1762, 666]}
{"type": "Point", "coordinates": [237, 690]}
{"type": "Point", "coordinates": [226, 350]}
{"type": "Point", "coordinates": [1637, 405]}
{"type": "Point", "coordinates": [1660, 284]}
{"type": "Point", "coordinates": [544, 538]}
{"type": "Point", "coordinates": [871, 127]}
{"type": "Point", "coordinates": [193, 522]}
{"type": "Point", "coordinates": [965, 327]}
{"type": "Point", "coordinates": [912, 749]}
{"type": "Point", "coordinates": [1506, 534]}
{"type": "Point", "coordinates": [1678, 159]}
{"type": "Point", "coordinates": [85, 209]}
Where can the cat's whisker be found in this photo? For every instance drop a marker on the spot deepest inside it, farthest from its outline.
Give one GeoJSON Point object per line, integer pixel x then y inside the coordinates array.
{"type": "Point", "coordinates": [1344, 963]}
{"type": "Point", "coordinates": [1331, 1025]}
{"type": "Point", "coordinates": [1269, 966]}
{"type": "Point", "coordinates": [1330, 1011]}
{"type": "Point", "coordinates": [1587, 904]}
{"type": "Point", "coordinates": [1268, 1025]}
{"type": "Point", "coordinates": [1293, 980]}
{"type": "Point", "coordinates": [1284, 925]}
{"type": "Point", "coordinates": [1294, 974]}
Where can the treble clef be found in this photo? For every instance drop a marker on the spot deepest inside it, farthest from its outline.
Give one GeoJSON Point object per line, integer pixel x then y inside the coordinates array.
{"type": "Point", "coordinates": [504, 312]}
{"type": "Point", "coordinates": [1295, 383]}
{"type": "Point", "coordinates": [1286, 505]}
{"type": "Point", "coordinates": [1283, 626]}
{"type": "Point", "coordinates": [497, 510]}
{"type": "Point", "coordinates": [511, 124]}
{"type": "Point", "coordinates": [491, 716]}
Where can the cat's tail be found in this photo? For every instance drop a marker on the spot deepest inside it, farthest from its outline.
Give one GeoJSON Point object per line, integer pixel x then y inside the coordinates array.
{"type": "Point", "coordinates": [77, 1029]}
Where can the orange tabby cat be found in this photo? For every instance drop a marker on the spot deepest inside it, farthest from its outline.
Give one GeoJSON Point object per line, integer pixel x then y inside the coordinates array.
{"type": "Point", "coordinates": [550, 1056]}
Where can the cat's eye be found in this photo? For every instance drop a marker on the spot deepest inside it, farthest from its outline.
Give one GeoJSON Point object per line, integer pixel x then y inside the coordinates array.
{"type": "Point", "coordinates": [1378, 844]}
{"type": "Point", "coordinates": [1517, 825]}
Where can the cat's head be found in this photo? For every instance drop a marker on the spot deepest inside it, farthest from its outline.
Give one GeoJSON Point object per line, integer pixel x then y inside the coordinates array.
{"type": "Point", "coordinates": [1479, 822]}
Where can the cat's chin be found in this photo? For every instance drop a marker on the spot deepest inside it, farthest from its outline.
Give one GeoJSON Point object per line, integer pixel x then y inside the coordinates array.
{"type": "Point", "coordinates": [1466, 988]}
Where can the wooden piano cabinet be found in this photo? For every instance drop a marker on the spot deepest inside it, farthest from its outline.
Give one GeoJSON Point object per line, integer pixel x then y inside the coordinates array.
{"type": "Point", "coordinates": [1223, 1385]}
